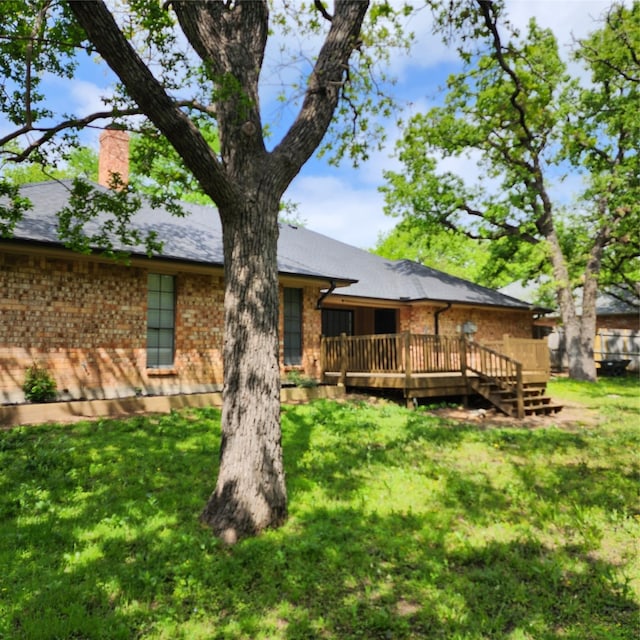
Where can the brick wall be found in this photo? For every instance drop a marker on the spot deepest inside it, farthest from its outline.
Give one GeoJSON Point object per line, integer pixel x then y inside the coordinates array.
{"type": "Point", "coordinates": [85, 322]}
{"type": "Point", "coordinates": [491, 324]}
{"type": "Point", "coordinates": [81, 320]}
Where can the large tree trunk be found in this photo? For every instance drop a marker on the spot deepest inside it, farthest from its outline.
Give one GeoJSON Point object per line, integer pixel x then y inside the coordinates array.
{"type": "Point", "coordinates": [579, 348]}
{"type": "Point", "coordinates": [579, 331]}
{"type": "Point", "coordinates": [250, 493]}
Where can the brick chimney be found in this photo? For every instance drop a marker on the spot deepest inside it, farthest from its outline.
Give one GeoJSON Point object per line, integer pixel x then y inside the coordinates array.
{"type": "Point", "coordinates": [114, 156]}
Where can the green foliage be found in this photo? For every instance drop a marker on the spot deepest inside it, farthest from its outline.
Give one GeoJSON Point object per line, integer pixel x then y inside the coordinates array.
{"type": "Point", "coordinates": [527, 124]}
{"type": "Point", "coordinates": [441, 250]}
{"type": "Point", "coordinates": [479, 115]}
{"type": "Point", "coordinates": [12, 207]}
{"type": "Point", "coordinates": [604, 140]}
{"type": "Point", "coordinates": [79, 162]}
{"type": "Point", "coordinates": [402, 525]}
{"type": "Point", "coordinates": [158, 171]}
{"type": "Point", "coordinates": [27, 55]}
{"type": "Point", "coordinates": [491, 265]}
{"type": "Point", "coordinates": [299, 380]}
{"type": "Point", "coordinates": [39, 385]}
{"type": "Point", "coordinates": [102, 219]}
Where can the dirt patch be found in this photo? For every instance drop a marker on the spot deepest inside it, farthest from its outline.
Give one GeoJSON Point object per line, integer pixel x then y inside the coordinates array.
{"type": "Point", "coordinates": [571, 416]}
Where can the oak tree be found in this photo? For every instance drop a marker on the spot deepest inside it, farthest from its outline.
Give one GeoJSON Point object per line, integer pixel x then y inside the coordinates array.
{"type": "Point", "coordinates": [187, 67]}
{"type": "Point", "coordinates": [515, 107]}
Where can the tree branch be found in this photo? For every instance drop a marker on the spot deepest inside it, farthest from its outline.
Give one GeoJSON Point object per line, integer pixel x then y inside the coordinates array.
{"type": "Point", "coordinates": [323, 89]}
{"type": "Point", "coordinates": [49, 132]}
{"type": "Point", "coordinates": [321, 8]}
{"type": "Point", "coordinates": [487, 10]}
{"type": "Point", "coordinates": [507, 229]}
{"type": "Point", "coordinates": [39, 21]}
{"type": "Point", "coordinates": [101, 28]}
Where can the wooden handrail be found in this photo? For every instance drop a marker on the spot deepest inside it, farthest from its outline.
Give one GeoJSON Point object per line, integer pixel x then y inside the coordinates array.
{"type": "Point", "coordinates": [501, 370]}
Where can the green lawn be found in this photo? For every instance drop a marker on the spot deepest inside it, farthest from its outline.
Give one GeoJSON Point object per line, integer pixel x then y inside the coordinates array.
{"type": "Point", "coordinates": [402, 525]}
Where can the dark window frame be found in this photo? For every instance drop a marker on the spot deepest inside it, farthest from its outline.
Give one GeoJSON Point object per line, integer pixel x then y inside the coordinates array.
{"type": "Point", "coordinates": [161, 320]}
{"type": "Point", "coordinates": [292, 317]}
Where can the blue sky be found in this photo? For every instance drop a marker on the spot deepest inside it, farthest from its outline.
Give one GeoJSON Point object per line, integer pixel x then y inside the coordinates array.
{"type": "Point", "coordinates": [346, 204]}
{"type": "Point", "coordinates": [343, 202]}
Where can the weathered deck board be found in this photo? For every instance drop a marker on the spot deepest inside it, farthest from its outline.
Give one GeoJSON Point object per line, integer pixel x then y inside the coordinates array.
{"type": "Point", "coordinates": [418, 385]}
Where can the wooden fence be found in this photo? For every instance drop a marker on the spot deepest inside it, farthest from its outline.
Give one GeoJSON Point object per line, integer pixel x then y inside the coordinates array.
{"type": "Point", "coordinates": [609, 344]}
{"type": "Point", "coordinates": [532, 354]}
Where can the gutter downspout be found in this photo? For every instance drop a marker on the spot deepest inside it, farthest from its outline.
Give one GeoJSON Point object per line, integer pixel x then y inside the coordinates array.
{"type": "Point", "coordinates": [436, 318]}
{"type": "Point", "coordinates": [329, 291]}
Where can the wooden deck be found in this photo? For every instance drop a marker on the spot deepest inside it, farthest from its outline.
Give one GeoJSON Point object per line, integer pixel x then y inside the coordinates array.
{"type": "Point", "coordinates": [427, 366]}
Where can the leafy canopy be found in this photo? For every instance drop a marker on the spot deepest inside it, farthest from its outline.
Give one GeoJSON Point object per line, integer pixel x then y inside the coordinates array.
{"type": "Point", "coordinates": [528, 125]}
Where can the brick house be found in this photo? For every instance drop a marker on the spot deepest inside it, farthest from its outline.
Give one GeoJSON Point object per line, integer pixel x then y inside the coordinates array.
{"type": "Point", "coordinates": [155, 326]}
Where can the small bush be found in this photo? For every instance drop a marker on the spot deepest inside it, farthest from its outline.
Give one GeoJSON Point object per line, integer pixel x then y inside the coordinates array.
{"type": "Point", "coordinates": [38, 385]}
{"type": "Point", "coordinates": [299, 380]}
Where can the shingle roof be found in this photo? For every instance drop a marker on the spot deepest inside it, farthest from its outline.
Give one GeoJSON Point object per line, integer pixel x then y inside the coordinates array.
{"type": "Point", "coordinates": [198, 238]}
{"type": "Point", "coordinates": [607, 302]}
{"type": "Point", "coordinates": [394, 280]}
{"type": "Point", "coordinates": [195, 238]}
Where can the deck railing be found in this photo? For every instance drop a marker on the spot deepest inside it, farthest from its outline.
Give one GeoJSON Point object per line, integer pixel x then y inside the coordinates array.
{"type": "Point", "coordinates": [392, 353]}
{"type": "Point", "coordinates": [501, 363]}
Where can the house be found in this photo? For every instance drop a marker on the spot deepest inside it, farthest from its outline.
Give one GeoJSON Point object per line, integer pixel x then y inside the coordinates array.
{"type": "Point", "coordinates": [155, 326]}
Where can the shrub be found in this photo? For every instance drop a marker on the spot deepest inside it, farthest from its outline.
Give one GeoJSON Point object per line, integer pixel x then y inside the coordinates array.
{"type": "Point", "coordinates": [299, 380]}
{"type": "Point", "coordinates": [38, 385]}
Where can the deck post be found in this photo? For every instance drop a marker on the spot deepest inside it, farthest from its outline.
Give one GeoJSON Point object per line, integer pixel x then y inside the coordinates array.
{"type": "Point", "coordinates": [343, 360]}
{"type": "Point", "coordinates": [463, 370]}
{"type": "Point", "coordinates": [323, 357]}
{"type": "Point", "coordinates": [406, 338]}
{"type": "Point", "coordinates": [519, 391]}
{"type": "Point", "coordinates": [507, 347]}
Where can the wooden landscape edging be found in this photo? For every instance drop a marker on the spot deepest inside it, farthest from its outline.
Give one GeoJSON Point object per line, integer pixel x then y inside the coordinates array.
{"type": "Point", "coordinates": [70, 411]}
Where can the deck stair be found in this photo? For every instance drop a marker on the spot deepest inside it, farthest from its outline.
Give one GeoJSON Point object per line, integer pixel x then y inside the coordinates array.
{"type": "Point", "coordinates": [500, 379]}
{"type": "Point", "coordinates": [534, 400]}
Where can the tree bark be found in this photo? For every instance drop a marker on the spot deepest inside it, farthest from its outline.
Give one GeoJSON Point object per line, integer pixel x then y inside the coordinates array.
{"type": "Point", "coordinates": [579, 331]}
{"type": "Point", "coordinates": [250, 493]}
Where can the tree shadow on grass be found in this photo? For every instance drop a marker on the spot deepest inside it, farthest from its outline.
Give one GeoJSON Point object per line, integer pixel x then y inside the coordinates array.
{"type": "Point", "coordinates": [338, 573]}
{"type": "Point", "coordinates": [105, 543]}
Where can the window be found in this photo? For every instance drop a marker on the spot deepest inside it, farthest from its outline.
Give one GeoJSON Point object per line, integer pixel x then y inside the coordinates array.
{"type": "Point", "coordinates": [335, 322]}
{"type": "Point", "coordinates": [384, 321]}
{"type": "Point", "coordinates": [160, 320]}
{"type": "Point", "coordinates": [292, 326]}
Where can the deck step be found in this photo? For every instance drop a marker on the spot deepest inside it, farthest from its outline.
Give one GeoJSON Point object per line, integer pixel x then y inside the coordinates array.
{"type": "Point", "coordinates": [506, 400]}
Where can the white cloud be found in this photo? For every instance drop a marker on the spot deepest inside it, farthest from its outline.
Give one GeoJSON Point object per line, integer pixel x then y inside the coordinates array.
{"type": "Point", "coordinates": [340, 209]}
{"type": "Point", "coordinates": [568, 19]}
{"type": "Point", "coordinates": [86, 97]}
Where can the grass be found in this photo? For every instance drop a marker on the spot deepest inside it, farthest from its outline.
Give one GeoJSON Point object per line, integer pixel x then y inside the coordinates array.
{"type": "Point", "coordinates": [402, 525]}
